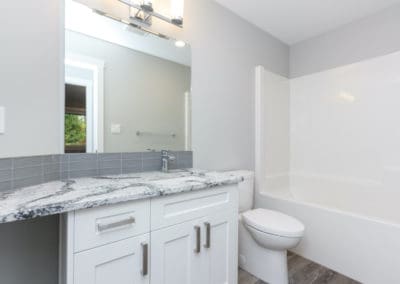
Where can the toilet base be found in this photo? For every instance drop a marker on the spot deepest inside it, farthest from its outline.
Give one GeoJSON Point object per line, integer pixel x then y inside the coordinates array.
{"type": "Point", "coordinates": [267, 265]}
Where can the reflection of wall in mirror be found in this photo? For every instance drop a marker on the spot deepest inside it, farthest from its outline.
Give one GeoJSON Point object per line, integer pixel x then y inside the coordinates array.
{"type": "Point", "coordinates": [141, 92]}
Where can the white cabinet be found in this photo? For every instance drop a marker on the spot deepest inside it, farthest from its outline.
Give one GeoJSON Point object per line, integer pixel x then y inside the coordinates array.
{"type": "Point", "coordinates": [174, 259]}
{"type": "Point", "coordinates": [202, 250]}
{"type": "Point", "coordinates": [188, 238]}
{"type": "Point", "coordinates": [123, 262]}
{"type": "Point", "coordinates": [196, 252]}
{"type": "Point", "coordinates": [221, 253]}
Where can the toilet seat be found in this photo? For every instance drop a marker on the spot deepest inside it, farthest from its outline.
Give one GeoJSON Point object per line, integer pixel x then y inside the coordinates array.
{"type": "Point", "coordinates": [273, 222]}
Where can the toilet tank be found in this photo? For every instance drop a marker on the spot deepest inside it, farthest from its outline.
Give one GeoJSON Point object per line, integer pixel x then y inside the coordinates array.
{"type": "Point", "coordinates": [246, 190]}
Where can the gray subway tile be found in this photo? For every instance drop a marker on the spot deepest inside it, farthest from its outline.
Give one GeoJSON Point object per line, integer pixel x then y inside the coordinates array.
{"type": "Point", "coordinates": [109, 164]}
{"type": "Point", "coordinates": [64, 167]}
{"type": "Point", "coordinates": [6, 175]}
{"type": "Point", "coordinates": [83, 165]}
{"type": "Point", "coordinates": [173, 165]}
{"type": "Point", "coordinates": [29, 181]}
{"type": "Point", "coordinates": [131, 156]}
{"type": "Point", "coordinates": [5, 164]}
{"type": "Point", "coordinates": [151, 155]}
{"type": "Point", "coordinates": [110, 171]}
{"type": "Point", "coordinates": [51, 159]}
{"type": "Point", "coordinates": [184, 155]}
{"type": "Point", "coordinates": [83, 173]}
{"type": "Point", "coordinates": [109, 156]}
{"type": "Point", "coordinates": [51, 168]}
{"type": "Point", "coordinates": [23, 162]}
{"type": "Point", "coordinates": [64, 158]}
{"type": "Point", "coordinates": [82, 157]}
{"type": "Point", "coordinates": [131, 163]}
{"type": "Point", "coordinates": [185, 165]}
{"type": "Point", "coordinates": [131, 170]}
{"type": "Point", "coordinates": [51, 177]}
{"type": "Point", "coordinates": [27, 172]}
{"type": "Point", "coordinates": [64, 175]}
{"type": "Point", "coordinates": [5, 186]}
{"type": "Point", "coordinates": [151, 165]}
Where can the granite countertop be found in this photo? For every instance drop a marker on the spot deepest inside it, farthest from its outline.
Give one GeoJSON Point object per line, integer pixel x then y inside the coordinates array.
{"type": "Point", "coordinates": [63, 196]}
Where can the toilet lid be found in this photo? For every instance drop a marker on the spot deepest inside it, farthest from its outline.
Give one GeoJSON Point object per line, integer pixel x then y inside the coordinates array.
{"type": "Point", "coordinates": [273, 222]}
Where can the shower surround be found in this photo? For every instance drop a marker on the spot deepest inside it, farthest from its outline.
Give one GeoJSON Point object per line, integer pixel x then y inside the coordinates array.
{"type": "Point", "coordinates": [336, 163]}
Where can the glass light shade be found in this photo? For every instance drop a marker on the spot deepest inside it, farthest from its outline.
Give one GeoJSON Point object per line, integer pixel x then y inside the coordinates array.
{"type": "Point", "coordinates": [177, 7]}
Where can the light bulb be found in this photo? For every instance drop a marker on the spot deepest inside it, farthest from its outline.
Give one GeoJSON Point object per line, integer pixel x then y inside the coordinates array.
{"type": "Point", "coordinates": [177, 11]}
{"type": "Point", "coordinates": [180, 43]}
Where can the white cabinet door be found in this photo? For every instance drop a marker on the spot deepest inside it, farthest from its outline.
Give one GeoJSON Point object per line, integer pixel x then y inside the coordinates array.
{"type": "Point", "coordinates": [176, 254]}
{"type": "Point", "coordinates": [220, 247]}
{"type": "Point", "coordinates": [123, 262]}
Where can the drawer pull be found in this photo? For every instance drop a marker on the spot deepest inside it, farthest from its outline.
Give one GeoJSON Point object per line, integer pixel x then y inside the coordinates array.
{"type": "Point", "coordinates": [145, 259]}
{"type": "Point", "coordinates": [198, 239]}
{"type": "Point", "coordinates": [109, 226]}
{"type": "Point", "coordinates": [208, 235]}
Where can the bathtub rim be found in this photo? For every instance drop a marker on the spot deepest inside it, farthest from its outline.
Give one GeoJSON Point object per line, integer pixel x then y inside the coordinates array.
{"type": "Point", "coordinates": [333, 210]}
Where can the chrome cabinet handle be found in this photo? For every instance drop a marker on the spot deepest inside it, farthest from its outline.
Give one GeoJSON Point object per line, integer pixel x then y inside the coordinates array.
{"type": "Point", "coordinates": [145, 259]}
{"type": "Point", "coordinates": [208, 235]}
{"type": "Point", "coordinates": [108, 226]}
{"type": "Point", "coordinates": [198, 239]}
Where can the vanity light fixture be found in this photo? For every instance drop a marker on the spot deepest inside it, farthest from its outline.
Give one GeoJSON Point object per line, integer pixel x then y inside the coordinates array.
{"type": "Point", "coordinates": [129, 24]}
{"type": "Point", "coordinates": [142, 14]}
{"type": "Point", "coordinates": [147, 6]}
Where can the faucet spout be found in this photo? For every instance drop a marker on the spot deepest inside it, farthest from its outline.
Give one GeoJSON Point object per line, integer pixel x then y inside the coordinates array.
{"type": "Point", "coordinates": [166, 158]}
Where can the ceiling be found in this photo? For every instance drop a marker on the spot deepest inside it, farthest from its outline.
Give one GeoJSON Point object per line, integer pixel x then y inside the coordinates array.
{"type": "Point", "coordinates": [296, 20]}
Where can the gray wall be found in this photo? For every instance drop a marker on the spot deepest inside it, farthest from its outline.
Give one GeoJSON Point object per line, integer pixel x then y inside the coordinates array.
{"type": "Point", "coordinates": [370, 37]}
{"type": "Point", "coordinates": [225, 51]}
{"type": "Point", "coordinates": [29, 252]}
{"type": "Point", "coordinates": [30, 89]}
{"type": "Point", "coordinates": [141, 92]}
{"type": "Point", "coordinates": [30, 76]}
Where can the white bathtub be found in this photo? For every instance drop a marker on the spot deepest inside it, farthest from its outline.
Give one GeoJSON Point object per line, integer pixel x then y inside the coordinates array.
{"type": "Point", "coordinates": [351, 227]}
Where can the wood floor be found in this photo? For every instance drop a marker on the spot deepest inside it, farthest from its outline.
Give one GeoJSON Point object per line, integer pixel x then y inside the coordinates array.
{"type": "Point", "coordinates": [303, 271]}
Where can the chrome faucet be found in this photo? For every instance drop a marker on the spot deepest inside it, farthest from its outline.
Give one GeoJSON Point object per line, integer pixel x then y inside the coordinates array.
{"type": "Point", "coordinates": [166, 157]}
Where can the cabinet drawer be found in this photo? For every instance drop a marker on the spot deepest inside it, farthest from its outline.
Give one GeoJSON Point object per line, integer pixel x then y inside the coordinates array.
{"type": "Point", "coordinates": [103, 225]}
{"type": "Point", "coordinates": [170, 210]}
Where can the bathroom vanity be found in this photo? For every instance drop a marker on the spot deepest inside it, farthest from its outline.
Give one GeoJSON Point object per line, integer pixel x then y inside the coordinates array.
{"type": "Point", "coordinates": [152, 227]}
{"type": "Point", "coordinates": [126, 97]}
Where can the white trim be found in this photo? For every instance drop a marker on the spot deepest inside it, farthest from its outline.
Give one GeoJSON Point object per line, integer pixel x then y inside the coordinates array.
{"type": "Point", "coordinates": [97, 67]}
{"type": "Point", "coordinates": [258, 153]}
{"type": "Point", "coordinates": [91, 124]}
{"type": "Point", "coordinates": [62, 72]}
{"type": "Point", "coordinates": [188, 121]}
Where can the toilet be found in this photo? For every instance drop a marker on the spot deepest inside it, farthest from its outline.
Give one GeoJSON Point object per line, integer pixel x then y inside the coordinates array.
{"type": "Point", "coordinates": [264, 236]}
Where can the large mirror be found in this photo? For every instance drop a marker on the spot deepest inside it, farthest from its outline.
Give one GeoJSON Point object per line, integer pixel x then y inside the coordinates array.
{"type": "Point", "coordinates": [126, 90]}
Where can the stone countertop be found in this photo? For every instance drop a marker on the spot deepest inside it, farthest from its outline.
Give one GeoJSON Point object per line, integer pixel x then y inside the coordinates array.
{"type": "Point", "coordinates": [63, 196]}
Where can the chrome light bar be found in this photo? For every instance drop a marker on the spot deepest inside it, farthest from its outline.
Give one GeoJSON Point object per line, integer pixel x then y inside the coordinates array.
{"type": "Point", "coordinates": [144, 14]}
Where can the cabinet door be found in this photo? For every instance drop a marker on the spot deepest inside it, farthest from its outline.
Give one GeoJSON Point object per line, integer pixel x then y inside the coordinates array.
{"type": "Point", "coordinates": [123, 262]}
{"type": "Point", "coordinates": [221, 246]}
{"type": "Point", "coordinates": [176, 254]}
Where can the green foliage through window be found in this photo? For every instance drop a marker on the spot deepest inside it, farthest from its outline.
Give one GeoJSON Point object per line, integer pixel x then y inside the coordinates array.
{"type": "Point", "coordinates": [75, 129]}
